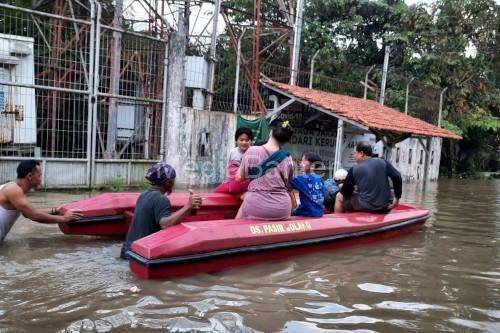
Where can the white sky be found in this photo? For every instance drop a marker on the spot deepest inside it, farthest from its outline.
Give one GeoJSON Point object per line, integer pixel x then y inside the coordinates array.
{"type": "Point", "coordinates": [201, 16]}
{"type": "Point", "coordinates": [411, 2]}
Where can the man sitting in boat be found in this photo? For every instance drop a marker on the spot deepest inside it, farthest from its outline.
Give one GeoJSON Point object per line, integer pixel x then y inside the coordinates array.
{"type": "Point", "coordinates": [370, 176]}
{"type": "Point", "coordinates": [13, 200]}
{"type": "Point", "coordinates": [153, 210]}
{"type": "Point", "coordinates": [270, 168]}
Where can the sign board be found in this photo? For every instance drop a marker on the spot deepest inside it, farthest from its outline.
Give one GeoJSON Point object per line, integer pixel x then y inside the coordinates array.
{"type": "Point", "coordinates": [312, 132]}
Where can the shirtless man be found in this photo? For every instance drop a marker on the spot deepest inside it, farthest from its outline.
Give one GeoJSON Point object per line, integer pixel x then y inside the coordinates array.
{"type": "Point", "coordinates": [13, 200]}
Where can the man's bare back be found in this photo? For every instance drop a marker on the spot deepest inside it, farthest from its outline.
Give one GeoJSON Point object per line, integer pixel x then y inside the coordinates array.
{"type": "Point", "coordinates": [13, 200]}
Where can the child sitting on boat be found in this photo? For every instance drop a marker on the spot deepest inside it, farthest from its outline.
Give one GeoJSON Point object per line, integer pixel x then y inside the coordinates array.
{"type": "Point", "coordinates": [243, 138]}
{"type": "Point", "coordinates": [332, 187]}
{"type": "Point", "coordinates": [310, 187]}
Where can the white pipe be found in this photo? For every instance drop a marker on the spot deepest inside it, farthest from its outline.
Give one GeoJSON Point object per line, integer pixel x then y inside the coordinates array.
{"type": "Point", "coordinates": [311, 74]}
{"type": "Point", "coordinates": [366, 81]}
{"type": "Point", "coordinates": [407, 94]}
{"type": "Point", "coordinates": [384, 74]}
{"type": "Point", "coordinates": [441, 105]}
{"type": "Point", "coordinates": [237, 79]}
{"type": "Point", "coordinates": [296, 42]}
{"type": "Point", "coordinates": [164, 104]}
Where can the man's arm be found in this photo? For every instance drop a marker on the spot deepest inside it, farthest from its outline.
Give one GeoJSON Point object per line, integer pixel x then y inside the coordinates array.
{"type": "Point", "coordinates": [194, 202]}
{"type": "Point", "coordinates": [348, 188]}
{"type": "Point", "coordinates": [397, 183]}
{"type": "Point", "coordinates": [18, 199]}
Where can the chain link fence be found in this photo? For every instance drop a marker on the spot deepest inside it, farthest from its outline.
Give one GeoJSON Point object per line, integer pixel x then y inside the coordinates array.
{"type": "Point", "coordinates": [75, 90]}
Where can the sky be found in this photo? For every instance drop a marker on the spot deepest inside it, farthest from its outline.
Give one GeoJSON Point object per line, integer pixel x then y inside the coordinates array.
{"type": "Point", "coordinates": [412, 2]}
{"type": "Point", "coordinates": [201, 16]}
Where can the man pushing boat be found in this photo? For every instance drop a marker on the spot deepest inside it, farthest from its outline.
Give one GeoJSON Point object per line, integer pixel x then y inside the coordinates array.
{"type": "Point", "coordinates": [13, 200]}
{"type": "Point", "coordinates": [153, 210]}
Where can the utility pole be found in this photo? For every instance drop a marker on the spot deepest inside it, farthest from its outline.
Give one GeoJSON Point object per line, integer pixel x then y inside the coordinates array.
{"type": "Point", "coordinates": [116, 50]}
{"type": "Point", "coordinates": [384, 73]}
{"type": "Point", "coordinates": [296, 42]}
{"type": "Point", "coordinates": [213, 49]}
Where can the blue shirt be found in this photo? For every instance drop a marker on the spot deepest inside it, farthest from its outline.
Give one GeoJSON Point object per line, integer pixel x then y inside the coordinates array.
{"type": "Point", "coordinates": [311, 195]}
{"type": "Point", "coordinates": [331, 186]}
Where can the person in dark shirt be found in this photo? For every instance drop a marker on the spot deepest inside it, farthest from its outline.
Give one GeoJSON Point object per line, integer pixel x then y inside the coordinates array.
{"type": "Point", "coordinates": [370, 175]}
{"type": "Point", "coordinates": [153, 210]}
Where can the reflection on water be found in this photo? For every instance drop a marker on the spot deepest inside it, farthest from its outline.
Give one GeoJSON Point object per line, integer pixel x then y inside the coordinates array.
{"type": "Point", "coordinates": [443, 278]}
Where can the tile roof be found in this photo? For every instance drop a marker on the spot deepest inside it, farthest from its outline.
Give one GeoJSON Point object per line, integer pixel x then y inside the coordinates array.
{"type": "Point", "coordinates": [363, 111]}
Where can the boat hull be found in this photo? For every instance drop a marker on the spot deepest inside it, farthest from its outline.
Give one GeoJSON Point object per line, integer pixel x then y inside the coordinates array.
{"type": "Point", "coordinates": [173, 253]}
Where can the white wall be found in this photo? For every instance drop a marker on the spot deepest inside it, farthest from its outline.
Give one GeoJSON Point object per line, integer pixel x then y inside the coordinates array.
{"type": "Point", "coordinates": [17, 60]}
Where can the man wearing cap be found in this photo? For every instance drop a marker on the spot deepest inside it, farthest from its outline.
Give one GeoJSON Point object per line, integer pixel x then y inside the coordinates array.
{"type": "Point", "coordinates": [153, 210]}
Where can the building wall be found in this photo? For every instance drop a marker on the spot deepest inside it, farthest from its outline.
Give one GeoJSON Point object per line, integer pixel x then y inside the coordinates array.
{"type": "Point", "coordinates": [208, 137]}
{"type": "Point", "coordinates": [407, 156]}
{"type": "Point", "coordinates": [412, 169]}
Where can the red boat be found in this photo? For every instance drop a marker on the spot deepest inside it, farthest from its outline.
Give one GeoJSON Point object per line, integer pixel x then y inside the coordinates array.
{"type": "Point", "coordinates": [193, 247]}
{"type": "Point", "coordinates": [213, 240]}
{"type": "Point", "coordinates": [110, 214]}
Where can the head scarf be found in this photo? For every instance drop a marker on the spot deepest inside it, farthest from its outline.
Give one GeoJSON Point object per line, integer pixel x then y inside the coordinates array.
{"type": "Point", "coordinates": [340, 174]}
{"type": "Point", "coordinates": [160, 173]}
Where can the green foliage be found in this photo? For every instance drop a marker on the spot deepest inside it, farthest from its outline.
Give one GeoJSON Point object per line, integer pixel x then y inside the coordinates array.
{"type": "Point", "coordinates": [452, 127]}
{"type": "Point", "coordinates": [114, 185]}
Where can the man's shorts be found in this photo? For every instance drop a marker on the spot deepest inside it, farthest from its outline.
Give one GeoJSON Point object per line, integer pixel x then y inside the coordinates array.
{"type": "Point", "coordinates": [351, 204]}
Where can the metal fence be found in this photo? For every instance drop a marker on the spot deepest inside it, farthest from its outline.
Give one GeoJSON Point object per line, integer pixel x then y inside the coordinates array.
{"type": "Point", "coordinates": [74, 89]}
{"type": "Point", "coordinates": [422, 101]}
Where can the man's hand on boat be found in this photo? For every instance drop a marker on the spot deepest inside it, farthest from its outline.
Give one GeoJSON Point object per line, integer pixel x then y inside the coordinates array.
{"type": "Point", "coordinates": [394, 203]}
{"type": "Point", "coordinates": [73, 215]}
{"type": "Point", "coordinates": [194, 202]}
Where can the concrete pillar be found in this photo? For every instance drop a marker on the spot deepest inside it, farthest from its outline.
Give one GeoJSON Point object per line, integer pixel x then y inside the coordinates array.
{"type": "Point", "coordinates": [175, 94]}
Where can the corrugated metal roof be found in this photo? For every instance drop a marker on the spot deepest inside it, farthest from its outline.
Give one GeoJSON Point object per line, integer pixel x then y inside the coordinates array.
{"type": "Point", "coordinates": [363, 111]}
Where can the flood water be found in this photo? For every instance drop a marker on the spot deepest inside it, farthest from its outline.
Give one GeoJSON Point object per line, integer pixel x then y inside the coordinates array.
{"type": "Point", "coordinates": [443, 278]}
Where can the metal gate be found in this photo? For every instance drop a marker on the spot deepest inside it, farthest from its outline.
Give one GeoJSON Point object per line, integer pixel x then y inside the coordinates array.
{"type": "Point", "coordinates": [82, 95]}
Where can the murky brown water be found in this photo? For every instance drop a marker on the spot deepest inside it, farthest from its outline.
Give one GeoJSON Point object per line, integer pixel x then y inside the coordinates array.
{"type": "Point", "coordinates": [444, 278]}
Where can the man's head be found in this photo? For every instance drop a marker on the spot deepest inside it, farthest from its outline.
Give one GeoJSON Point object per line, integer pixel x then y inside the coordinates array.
{"type": "Point", "coordinates": [162, 175]}
{"type": "Point", "coordinates": [30, 171]}
{"type": "Point", "coordinates": [362, 151]}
